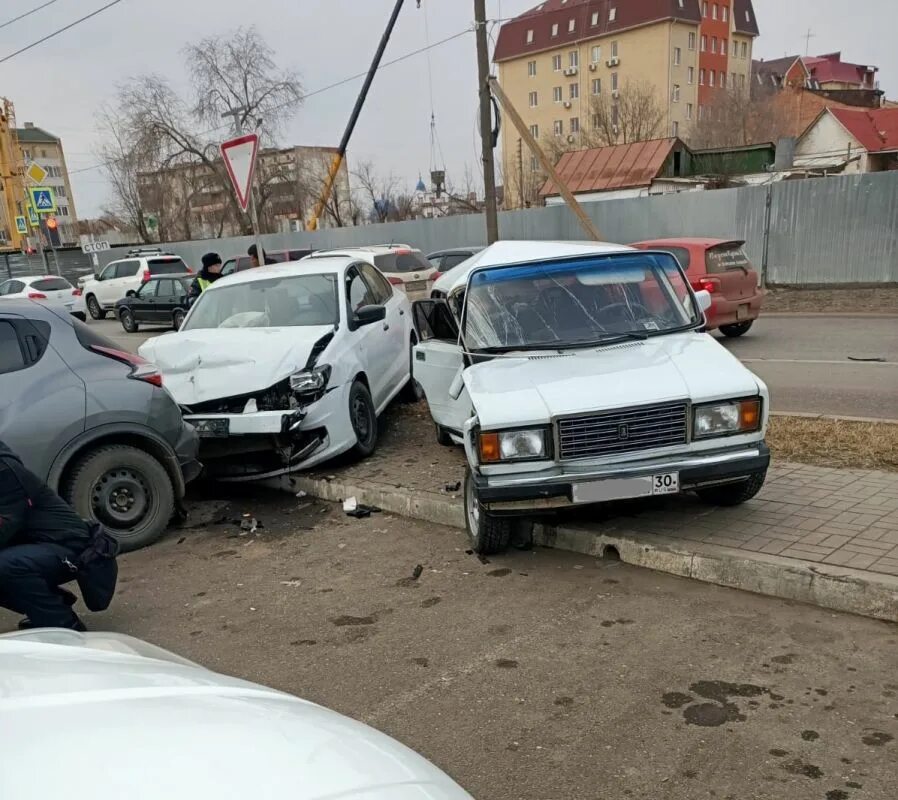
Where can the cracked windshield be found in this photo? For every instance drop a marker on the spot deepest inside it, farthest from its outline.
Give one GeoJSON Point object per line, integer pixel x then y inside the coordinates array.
{"type": "Point", "coordinates": [583, 302]}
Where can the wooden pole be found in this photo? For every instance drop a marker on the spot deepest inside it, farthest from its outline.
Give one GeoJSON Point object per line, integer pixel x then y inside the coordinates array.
{"type": "Point", "coordinates": [490, 206]}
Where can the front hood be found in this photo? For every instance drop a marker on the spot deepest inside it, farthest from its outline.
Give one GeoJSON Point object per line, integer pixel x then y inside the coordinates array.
{"type": "Point", "coordinates": [203, 365]}
{"type": "Point", "coordinates": [535, 388]}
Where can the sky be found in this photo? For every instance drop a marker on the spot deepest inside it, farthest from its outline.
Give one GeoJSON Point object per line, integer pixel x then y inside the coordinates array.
{"type": "Point", "coordinates": [60, 85]}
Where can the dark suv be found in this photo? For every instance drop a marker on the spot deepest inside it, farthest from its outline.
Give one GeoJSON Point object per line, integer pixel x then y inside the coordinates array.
{"type": "Point", "coordinates": [93, 421]}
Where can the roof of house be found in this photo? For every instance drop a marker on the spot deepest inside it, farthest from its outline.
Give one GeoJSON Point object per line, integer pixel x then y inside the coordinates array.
{"type": "Point", "coordinates": [798, 108]}
{"type": "Point", "coordinates": [744, 19]}
{"type": "Point", "coordinates": [876, 129]}
{"type": "Point", "coordinates": [27, 135]}
{"type": "Point", "coordinates": [512, 41]}
{"type": "Point", "coordinates": [604, 169]}
{"type": "Point", "coordinates": [830, 67]}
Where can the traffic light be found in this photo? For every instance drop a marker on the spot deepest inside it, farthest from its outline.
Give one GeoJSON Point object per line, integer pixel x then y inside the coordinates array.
{"type": "Point", "coordinates": [52, 224]}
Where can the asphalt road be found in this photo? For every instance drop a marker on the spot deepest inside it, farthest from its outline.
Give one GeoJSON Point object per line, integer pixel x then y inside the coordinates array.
{"type": "Point", "coordinates": [805, 360]}
{"type": "Point", "coordinates": [536, 676]}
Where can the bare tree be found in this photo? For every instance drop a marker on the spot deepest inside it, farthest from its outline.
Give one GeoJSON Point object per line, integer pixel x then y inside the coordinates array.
{"type": "Point", "coordinates": [379, 191]}
{"type": "Point", "coordinates": [634, 115]}
{"type": "Point", "coordinates": [736, 118]}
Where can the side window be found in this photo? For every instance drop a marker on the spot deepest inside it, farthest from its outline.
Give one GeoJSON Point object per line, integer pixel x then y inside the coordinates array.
{"type": "Point", "coordinates": [433, 320]}
{"type": "Point", "coordinates": [230, 266]}
{"type": "Point", "coordinates": [165, 288]}
{"type": "Point", "coordinates": [11, 287]}
{"type": "Point", "coordinates": [380, 286]}
{"type": "Point", "coordinates": [22, 343]}
{"type": "Point", "coordinates": [148, 290]}
{"type": "Point", "coordinates": [357, 291]}
{"type": "Point", "coordinates": [453, 260]}
{"type": "Point", "coordinates": [127, 269]}
{"type": "Point", "coordinates": [12, 358]}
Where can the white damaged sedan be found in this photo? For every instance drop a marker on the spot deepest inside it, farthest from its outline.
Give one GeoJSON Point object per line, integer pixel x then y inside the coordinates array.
{"type": "Point", "coordinates": [282, 367]}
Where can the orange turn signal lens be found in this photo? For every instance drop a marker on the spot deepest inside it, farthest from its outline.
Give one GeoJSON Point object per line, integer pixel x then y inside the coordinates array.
{"type": "Point", "coordinates": [489, 447]}
{"type": "Point", "coordinates": [750, 415]}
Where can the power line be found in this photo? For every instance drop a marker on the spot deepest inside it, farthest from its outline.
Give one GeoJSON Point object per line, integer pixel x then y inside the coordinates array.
{"type": "Point", "coordinates": [61, 30]}
{"type": "Point", "coordinates": [27, 14]}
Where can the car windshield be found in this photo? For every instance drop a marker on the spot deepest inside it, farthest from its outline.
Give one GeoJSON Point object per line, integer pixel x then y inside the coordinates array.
{"type": "Point", "coordinates": [576, 302]}
{"type": "Point", "coordinates": [284, 302]}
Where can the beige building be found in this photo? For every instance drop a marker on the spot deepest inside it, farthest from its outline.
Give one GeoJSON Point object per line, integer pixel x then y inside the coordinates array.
{"type": "Point", "coordinates": [578, 71]}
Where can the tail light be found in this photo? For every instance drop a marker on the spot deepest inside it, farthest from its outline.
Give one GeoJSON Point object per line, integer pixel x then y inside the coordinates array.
{"type": "Point", "coordinates": [77, 292]}
{"type": "Point", "coordinates": [36, 296]}
{"type": "Point", "coordinates": [395, 281]}
{"type": "Point", "coordinates": [146, 276]}
{"type": "Point", "coordinates": [704, 284]}
{"type": "Point", "coordinates": [141, 369]}
{"type": "Point", "coordinates": [436, 274]}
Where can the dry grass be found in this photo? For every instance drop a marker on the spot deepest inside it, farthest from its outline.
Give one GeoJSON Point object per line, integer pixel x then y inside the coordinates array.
{"type": "Point", "coordinates": [882, 300]}
{"type": "Point", "coordinates": [834, 443]}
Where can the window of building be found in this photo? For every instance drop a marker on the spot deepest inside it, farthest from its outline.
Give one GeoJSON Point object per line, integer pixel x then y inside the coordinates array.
{"type": "Point", "coordinates": [675, 93]}
{"type": "Point", "coordinates": [745, 46]}
{"type": "Point", "coordinates": [534, 164]}
{"type": "Point", "coordinates": [556, 63]}
{"type": "Point", "coordinates": [596, 121]}
{"type": "Point", "coordinates": [573, 58]}
{"type": "Point", "coordinates": [704, 9]}
{"type": "Point", "coordinates": [27, 154]}
{"type": "Point", "coordinates": [688, 110]}
{"type": "Point", "coordinates": [741, 81]}
{"type": "Point", "coordinates": [556, 94]}
{"type": "Point", "coordinates": [677, 56]}
{"type": "Point", "coordinates": [723, 80]}
{"type": "Point", "coordinates": [711, 77]}
{"type": "Point", "coordinates": [701, 112]}
{"type": "Point", "coordinates": [534, 99]}
{"type": "Point", "coordinates": [724, 46]}
{"type": "Point", "coordinates": [597, 86]}
{"type": "Point", "coordinates": [575, 124]}
{"type": "Point", "coordinates": [572, 25]}
{"type": "Point", "coordinates": [701, 77]}
{"type": "Point", "coordinates": [534, 131]}
{"type": "Point", "coordinates": [555, 29]}
{"type": "Point", "coordinates": [595, 18]}
{"type": "Point", "coordinates": [60, 191]}
{"type": "Point", "coordinates": [614, 82]}
{"type": "Point", "coordinates": [531, 69]}
{"type": "Point", "coordinates": [615, 115]}
{"type": "Point", "coordinates": [733, 80]}
{"type": "Point", "coordinates": [747, 15]}
{"type": "Point", "coordinates": [725, 13]}
{"type": "Point", "coordinates": [612, 14]}
{"type": "Point", "coordinates": [596, 54]}
{"type": "Point", "coordinates": [614, 49]}
{"type": "Point", "coordinates": [674, 128]}
{"type": "Point", "coordinates": [713, 44]}
{"type": "Point", "coordinates": [559, 127]}
{"type": "Point", "coordinates": [690, 75]}
{"type": "Point", "coordinates": [692, 41]}
{"type": "Point", "coordinates": [714, 11]}
{"type": "Point", "coordinates": [704, 43]}
{"type": "Point", "coordinates": [43, 153]}
{"type": "Point", "coordinates": [63, 211]}
{"type": "Point", "coordinates": [530, 36]}
{"type": "Point", "coordinates": [574, 90]}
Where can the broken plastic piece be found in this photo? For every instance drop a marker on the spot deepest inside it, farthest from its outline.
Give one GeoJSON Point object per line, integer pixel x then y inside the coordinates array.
{"type": "Point", "coordinates": [251, 406]}
{"type": "Point", "coordinates": [350, 504]}
{"type": "Point", "coordinates": [452, 487]}
{"type": "Point", "coordinates": [359, 512]}
{"type": "Point", "coordinates": [416, 572]}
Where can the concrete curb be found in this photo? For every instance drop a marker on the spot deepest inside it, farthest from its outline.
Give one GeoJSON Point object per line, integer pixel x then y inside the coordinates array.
{"type": "Point", "coordinates": [837, 588]}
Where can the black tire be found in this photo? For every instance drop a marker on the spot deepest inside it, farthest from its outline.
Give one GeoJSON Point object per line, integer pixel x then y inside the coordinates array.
{"type": "Point", "coordinates": [489, 534]}
{"type": "Point", "coordinates": [364, 420]}
{"type": "Point", "coordinates": [737, 329]}
{"type": "Point", "coordinates": [107, 484]}
{"type": "Point", "coordinates": [94, 308]}
{"type": "Point", "coordinates": [177, 318]}
{"type": "Point", "coordinates": [412, 392]}
{"type": "Point", "coordinates": [443, 437]}
{"type": "Point", "coordinates": [733, 494]}
{"type": "Point", "coordinates": [126, 317]}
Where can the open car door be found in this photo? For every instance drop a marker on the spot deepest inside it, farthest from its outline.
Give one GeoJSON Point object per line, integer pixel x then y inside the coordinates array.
{"type": "Point", "coordinates": [438, 363]}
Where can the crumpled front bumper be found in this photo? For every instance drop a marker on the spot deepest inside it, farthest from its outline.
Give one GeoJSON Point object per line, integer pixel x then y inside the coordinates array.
{"type": "Point", "coordinates": [554, 487]}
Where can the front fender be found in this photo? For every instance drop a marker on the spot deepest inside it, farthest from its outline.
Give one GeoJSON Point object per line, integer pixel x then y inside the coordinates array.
{"type": "Point", "coordinates": [470, 450]}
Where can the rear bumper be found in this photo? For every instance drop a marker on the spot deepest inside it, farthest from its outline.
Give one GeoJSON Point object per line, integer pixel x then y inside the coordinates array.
{"type": "Point", "coordinates": [729, 312]}
{"type": "Point", "coordinates": [542, 491]}
{"type": "Point", "coordinates": [186, 451]}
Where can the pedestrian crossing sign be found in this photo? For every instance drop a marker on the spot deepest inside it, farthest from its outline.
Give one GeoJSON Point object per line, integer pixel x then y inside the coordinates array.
{"type": "Point", "coordinates": [21, 225]}
{"type": "Point", "coordinates": [32, 216]}
{"type": "Point", "coordinates": [43, 199]}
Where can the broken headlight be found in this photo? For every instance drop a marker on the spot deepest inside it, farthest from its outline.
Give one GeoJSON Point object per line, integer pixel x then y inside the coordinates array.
{"type": "Point", "coordinates": [310, 381]}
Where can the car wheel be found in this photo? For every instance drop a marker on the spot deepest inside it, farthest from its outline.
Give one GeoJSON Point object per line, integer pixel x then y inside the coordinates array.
{"type": "Point", "coordinates": [126, 490]}
{"type": "Point", "coordinates": [736, 329]}
{"type": "Point", "coordinates": [364, 420]}
{"type": "Point", "coordinates": [443, 437]}
{"type": "Point", "coordinates": [127, 320]}
{"type": "Point", "coordinates": [733, 494]}
{"type": "Point", "coordinates": [94, 308]}
{"type": "Point", "coordinates": [412, 392]}
{"type": "Point", "coordinates": [177, 318]}
{"type": "Point", "coordinates": [489, 534]}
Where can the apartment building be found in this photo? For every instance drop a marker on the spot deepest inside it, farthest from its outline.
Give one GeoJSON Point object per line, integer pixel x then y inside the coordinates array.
{"type": "Point", "coordinates": [564, 59]}
{"type": "Point", "coordinates": [46, 149]}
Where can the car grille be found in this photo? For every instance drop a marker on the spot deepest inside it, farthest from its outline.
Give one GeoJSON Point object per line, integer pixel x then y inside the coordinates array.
{"type": "Point", "coordinates": [622, 431]}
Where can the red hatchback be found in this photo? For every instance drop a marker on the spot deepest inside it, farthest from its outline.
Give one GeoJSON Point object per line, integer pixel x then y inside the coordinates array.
{"type": "Point", "coordinates": [721, 267]}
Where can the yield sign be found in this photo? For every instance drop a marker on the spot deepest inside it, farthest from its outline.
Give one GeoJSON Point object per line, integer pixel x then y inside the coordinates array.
{"type": "Point", "coordinates": [240, 158]}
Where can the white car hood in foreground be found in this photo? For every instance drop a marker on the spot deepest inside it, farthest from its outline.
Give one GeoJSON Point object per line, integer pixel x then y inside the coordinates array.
{"type": "Point", "coordinates": [88, 719]}
{"type": "Point", "coordinates": [533, 389]}
{"type": "Point", "coordinates": [206, 365]}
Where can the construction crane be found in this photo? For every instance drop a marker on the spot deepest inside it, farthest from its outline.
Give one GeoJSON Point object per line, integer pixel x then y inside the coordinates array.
{"type": "Point", "coordinates": [12, 181]}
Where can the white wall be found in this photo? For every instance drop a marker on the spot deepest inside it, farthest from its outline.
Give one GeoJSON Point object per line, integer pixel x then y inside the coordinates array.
{"type": "Point", "coordinates": [827, 141]}
{"type": "Point", "coordinates": [591, 197]}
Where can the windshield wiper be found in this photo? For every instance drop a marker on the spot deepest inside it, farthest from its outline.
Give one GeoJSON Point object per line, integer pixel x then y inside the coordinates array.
{"type": "Point", "coordinates": [616, 337]}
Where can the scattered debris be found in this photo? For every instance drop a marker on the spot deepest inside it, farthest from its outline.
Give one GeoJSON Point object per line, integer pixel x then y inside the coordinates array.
{"type": "Point", "coordinates": [249, 524]}
{"type": "Point", "coordinates": [452, 487]}
{"type": "Point", "coordinates": [353, 508]}
{"type": "Point", "coordinates": [295, 582]}
{"type": "Point", "coordinates": [301, 493]}
{"type": "Point", "coordinates": [182, 540]}
{"type": "Point", "coordinates": [350, 504]}
{"type": "Point", "coordinates": [416, 572]}
{"type": "Point", "coordinates": [876, 359]}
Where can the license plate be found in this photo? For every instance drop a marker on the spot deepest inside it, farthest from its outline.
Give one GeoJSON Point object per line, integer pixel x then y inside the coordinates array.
{"type": "Point", "coordinates": [666, 483]}
{"type": "Point", "coordinates": [626, 488]}
{"type": "Point", "coordinates": [743, 311]}
{"type": "Point", "coordinates": [415, 286]}
{"type": "Point", "coordinates": [211, 428]}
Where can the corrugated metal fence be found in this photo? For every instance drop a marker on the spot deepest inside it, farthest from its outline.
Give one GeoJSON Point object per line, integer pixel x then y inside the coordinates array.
{"type": "Point", "coordinates": [804, 232]}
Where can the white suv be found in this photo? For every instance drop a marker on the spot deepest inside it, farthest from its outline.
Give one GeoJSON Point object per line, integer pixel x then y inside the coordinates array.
{"type": "Point", "coordinates": [124, 277]}
{"type": "Point", "coordinates": [403, 266]}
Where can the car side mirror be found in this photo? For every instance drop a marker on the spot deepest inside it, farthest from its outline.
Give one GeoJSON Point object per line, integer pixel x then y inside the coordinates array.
{"type": "Point", "coordinates": [368, 315]}
{"type": "Point", "coordinates": [703, 296]}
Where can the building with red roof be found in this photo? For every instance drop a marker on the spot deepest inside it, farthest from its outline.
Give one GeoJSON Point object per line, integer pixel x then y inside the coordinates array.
{"type": "Point", "coordinates": [855, 139]}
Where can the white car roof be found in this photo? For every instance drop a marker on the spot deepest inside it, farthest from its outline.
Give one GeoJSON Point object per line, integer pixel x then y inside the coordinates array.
{"type": "Point", "coordinates": [370, 248]}
{"type": "Point", "coordinates": [156, 726]}
{"type": "Point", "coordinates": [309, 266]}
{"type": "Point", "coordinates": [30, 278]}
{"type": "Point", "coordinates": [518, 252]}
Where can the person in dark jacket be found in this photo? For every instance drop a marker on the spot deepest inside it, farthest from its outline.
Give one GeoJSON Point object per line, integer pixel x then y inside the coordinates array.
{"type": "Point", "coordinates": [43, 545]}
{"type": "Point", "coordinates": [253, 254]}
{"type": "Point", "coordinates": [210, 273]}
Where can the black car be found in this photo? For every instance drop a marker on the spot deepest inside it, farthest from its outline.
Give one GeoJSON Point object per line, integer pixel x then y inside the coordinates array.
{"type": "Point", "coordinates": [162, 300]}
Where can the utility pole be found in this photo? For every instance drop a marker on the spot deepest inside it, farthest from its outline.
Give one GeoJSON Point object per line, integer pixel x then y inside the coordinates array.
{"type": "Point", "coordinates": [238, 115]}
{"type": "Point", "coordinates": [486, 123]}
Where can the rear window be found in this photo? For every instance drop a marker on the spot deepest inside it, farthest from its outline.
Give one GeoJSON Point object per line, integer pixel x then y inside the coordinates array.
{"type": "Point", "coordinates": [51, 285]}
{"type": "Point", "coordinates": [88, 337]}
{"type": "Point", "coordinates": [402, 262]}
{"type": "Point", "coordinates": [681, 254]}
{"type": "Point", "coordinates": [167, 266]}
{"type": "Point", "coordinates": [726, 258]}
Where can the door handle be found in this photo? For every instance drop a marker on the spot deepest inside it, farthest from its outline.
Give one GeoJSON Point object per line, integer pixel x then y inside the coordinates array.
{"type": "Point", "coordinates": [386, 327]}
{"type": "Point", "coordinates": [401, 312]}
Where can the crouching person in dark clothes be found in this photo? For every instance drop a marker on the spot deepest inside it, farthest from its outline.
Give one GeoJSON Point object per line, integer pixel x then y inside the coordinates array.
{"type": "Point", "coordinates": [45, 544]}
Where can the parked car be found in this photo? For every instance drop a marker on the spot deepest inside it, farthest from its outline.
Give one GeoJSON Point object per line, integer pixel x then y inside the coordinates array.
{"type": "Point", "coordinates": [721, 268]}
{"type": "Point", "coordinates": [241, 263]}
{"type": "Point", "coordinates": [51, 290]}
{"type": "Point", "coordinates": [285, 366]}
{"type": "Point", "coordinates": [93, 421]}
{"type": "Point", "coordinates": [161, 726]}
{"type": "Point", "coordinates": [125, 276]}
{"type": "Point", "coordinates": [578, 376]}
{"type": "Point", "coordinates": [162, 300]}
{"type": "Point", "coordinates": [404, 267]}
{"type": "Point", "coordinates": [445, 260]}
